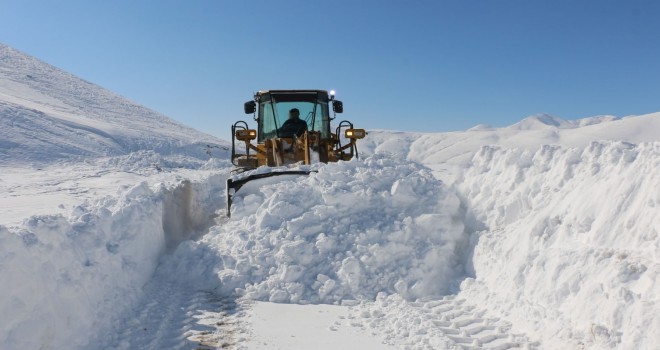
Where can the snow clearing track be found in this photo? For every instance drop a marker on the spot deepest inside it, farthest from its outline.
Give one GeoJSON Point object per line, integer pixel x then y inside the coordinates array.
{"type": "Point", "coordinates": [158, 266]}
{"type": "Point", "coordinates": [346, 235]}
{"type": "Point", "coordinates": [445, 323]}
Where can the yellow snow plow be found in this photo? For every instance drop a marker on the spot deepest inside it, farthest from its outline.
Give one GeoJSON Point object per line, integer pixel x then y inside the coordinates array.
{"type": "Point", "coordinates": [293, 128]}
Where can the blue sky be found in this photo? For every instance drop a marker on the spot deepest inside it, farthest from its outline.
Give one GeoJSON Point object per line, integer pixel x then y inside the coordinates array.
{"type": "Point", "coordinates": [404, 65]}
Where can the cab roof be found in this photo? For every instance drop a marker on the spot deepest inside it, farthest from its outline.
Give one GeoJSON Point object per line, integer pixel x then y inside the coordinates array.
{"type": "Point", "coordinates": [295, 95]}
{"type": "Point", "coordinates": [310, 91]}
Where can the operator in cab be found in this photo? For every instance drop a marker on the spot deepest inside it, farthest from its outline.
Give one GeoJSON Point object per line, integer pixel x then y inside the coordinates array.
{"type": "Point", "coordinates": [293, 126]}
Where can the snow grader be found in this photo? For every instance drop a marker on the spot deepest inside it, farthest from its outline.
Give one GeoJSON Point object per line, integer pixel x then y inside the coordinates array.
{"type": "Point", "coordinates": [293, 128]}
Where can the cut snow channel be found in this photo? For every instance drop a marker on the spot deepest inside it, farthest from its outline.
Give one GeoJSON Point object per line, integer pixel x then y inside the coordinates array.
{"type": "Point", "coordinates": [351, 231]}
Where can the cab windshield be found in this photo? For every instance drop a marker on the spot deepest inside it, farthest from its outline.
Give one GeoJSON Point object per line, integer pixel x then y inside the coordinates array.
{"type": "Point", "coordinates": [274, 110]}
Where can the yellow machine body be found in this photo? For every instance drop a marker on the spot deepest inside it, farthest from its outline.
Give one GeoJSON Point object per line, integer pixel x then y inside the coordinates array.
{"type": "Point", "coordinates": [267, 145]}
{"type": "Point", "coordinates": [273, 144]}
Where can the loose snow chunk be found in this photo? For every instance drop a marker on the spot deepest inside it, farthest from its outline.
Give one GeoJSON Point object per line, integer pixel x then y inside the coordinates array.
{"type": "Point", "coordinates": [350, 231]}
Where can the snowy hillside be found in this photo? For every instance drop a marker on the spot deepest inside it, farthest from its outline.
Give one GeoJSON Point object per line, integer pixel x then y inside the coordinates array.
{"type": "Point", "coordinates": [540, 235]}
{"type": "Point", "coordinates": [48, 115]}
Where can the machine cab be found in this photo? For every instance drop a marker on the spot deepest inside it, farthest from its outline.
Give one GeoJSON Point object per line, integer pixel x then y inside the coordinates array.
{"type": "Point", "coordinates": [293, 126]}
{"type": "Point", "coordinates": [274, 107]}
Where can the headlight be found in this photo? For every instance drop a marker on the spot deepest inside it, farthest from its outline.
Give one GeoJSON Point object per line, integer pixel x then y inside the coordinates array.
{"type": "Point", "coordinates": [355, 133]}
{"type": "Point", "coordinates": [244, 135]}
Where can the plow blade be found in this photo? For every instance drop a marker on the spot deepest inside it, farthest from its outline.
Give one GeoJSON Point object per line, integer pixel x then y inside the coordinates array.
{"type": "Point", "coordinates": [234, 185]}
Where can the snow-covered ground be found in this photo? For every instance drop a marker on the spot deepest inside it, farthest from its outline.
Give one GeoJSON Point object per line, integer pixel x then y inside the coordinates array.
{"type": "Point", "coordinates": [113, 235]}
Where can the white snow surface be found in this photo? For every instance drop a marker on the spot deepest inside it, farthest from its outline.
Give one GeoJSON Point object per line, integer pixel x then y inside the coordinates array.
{"type": "Point", "coordinates": [541, 235]}
{"type": "Point", "coordinates": [348, 232]}
{"type": "Point", "coordinates": [579, 230]}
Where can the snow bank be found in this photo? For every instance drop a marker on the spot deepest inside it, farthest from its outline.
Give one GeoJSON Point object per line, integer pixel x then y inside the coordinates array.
{"type": "Point", "coordinates": [572, 246]}
{"type": "Point", "coordinates": [65, 279]}
{"type": "Point", "coordinates": [350, 231]}
{"type": "Point", "coordinates": [447, 154]}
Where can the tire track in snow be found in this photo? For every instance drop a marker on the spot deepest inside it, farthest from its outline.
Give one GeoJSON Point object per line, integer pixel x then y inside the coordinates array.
{"type": "Point", "coordinates": [449, 323]}
{"type": "Point", "coordinates": [172, 316]}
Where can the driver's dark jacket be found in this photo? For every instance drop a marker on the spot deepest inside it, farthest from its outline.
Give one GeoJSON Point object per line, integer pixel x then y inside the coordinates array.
{"type": "Point", "coordinates": [292, 127]}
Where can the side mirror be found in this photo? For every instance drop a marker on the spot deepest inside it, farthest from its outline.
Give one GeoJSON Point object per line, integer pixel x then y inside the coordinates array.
{"type": "Point", "coordinates": [250, 107]}
{"type": "Point", "coordinates": [337, 106]}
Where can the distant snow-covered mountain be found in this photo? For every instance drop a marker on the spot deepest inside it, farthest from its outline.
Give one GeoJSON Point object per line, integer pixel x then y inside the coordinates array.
{"type": "Point", "coordinates": [544, 121]}
{"type": "Point", "coordinates": [540, 121]}
{"type": "Point", "coordinates": [47, 114]}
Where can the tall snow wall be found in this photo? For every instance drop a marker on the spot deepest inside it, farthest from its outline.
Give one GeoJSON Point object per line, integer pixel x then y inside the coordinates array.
{"type": "Point", "coordinates": [571, 248]}
{"type": "Point", "coordinates": [72, 276]}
